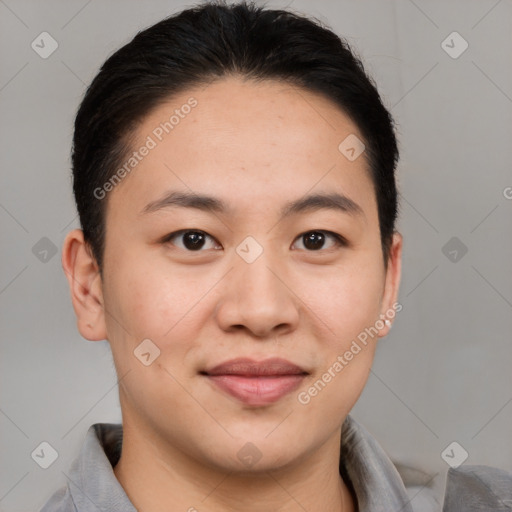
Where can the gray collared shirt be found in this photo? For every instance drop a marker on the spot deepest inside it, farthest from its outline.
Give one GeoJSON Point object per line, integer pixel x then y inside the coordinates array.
{"type": "Point", "coordinates": [92, 485]}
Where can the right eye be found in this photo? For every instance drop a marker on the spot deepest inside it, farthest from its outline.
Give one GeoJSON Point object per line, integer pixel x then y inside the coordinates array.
{"type": "Point", "coordinates": [191, 239]}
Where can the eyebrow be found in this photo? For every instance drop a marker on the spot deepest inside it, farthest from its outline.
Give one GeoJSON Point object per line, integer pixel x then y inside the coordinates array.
{"type": "Point", "coordinates": [312, 202]}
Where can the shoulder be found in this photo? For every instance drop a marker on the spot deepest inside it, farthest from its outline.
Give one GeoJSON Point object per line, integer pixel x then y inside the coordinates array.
{"type": "Point", "coordinates": [92, 484]}
{"type": "Point", "coordinates": [60, 501]}
{"type": "Point", "coordinates": [478, 488]}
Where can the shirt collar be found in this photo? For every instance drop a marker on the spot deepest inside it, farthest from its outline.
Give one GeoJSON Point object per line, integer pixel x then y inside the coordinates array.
{"type": "Point", "coordinates": [92, 483]}
{"type": "Point", "coordinates": [370, 472]}
{"type": "Point", "coordinates": [364, 465]}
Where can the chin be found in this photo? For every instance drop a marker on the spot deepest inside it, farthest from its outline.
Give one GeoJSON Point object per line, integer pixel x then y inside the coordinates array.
{"type": "Point", "coordinates": [253, 452]}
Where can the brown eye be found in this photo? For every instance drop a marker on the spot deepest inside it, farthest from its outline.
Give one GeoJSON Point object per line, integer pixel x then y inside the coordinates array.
{"type": "Point", "coordinates": [315, 240]}
{"type": "Point", "coordinates": [191, 240]}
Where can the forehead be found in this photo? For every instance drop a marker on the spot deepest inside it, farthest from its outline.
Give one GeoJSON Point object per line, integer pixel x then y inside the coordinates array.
{"type": "Point", "coordinates": [250, 143]}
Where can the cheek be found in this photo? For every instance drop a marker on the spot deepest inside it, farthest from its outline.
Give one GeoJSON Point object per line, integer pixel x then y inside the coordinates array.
{"type": "Point", "coordinates": [350, 304]}
{"type": "Point", "coordinates": [348, 309]}
{"type": "Point", "coordinates": [346, 299]}
{"type": "Point", "coordinates": [146, 303]}
{"type": "Point", "coordinates": [167, 305]}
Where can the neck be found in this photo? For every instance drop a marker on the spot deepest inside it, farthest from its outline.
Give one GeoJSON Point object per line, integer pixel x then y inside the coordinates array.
{"type": "Point", "coordinates": [157, 477]}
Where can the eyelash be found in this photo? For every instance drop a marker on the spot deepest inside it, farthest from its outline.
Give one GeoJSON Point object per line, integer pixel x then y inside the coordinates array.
{"type": "Point", "coordinates": [339, 240]}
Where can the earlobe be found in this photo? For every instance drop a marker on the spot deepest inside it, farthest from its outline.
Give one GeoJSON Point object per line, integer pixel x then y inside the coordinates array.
{"type": "Point", "coordinates": [85, 285]}
{"type": "Point", "coordinates": [392, 284]}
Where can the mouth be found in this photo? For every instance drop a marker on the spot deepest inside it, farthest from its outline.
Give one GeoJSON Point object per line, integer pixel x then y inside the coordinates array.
{"type": "Point", "coordinates": [256, 383]}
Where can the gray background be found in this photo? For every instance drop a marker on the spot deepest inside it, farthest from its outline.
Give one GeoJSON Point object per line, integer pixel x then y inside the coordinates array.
{"type": "Point", "coordinates": [442, 375]}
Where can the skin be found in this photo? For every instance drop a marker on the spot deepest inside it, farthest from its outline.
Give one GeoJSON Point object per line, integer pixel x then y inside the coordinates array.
{"type": "Point", "coordinates": [256, 146]}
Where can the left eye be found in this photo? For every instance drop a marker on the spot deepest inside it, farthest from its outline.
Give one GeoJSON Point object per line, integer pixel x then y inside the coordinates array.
{"type": "Point", "coordinates": [193, 240]}
{"type": "Point", "coordinates": [313, 240]}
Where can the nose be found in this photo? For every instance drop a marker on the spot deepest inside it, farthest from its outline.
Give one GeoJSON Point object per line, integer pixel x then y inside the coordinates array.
{"type": "Point", "coordinates": [256, 297]}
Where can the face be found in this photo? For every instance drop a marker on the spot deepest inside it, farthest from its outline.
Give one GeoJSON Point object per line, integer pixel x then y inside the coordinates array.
{"type": "Point", "coordinates": [258, 272]}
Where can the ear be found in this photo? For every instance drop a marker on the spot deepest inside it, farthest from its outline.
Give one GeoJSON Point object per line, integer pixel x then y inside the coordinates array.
{"type": "Point", "coordinates": [390, 305]}
{"type": "Point", "coordinates": [82, 273]}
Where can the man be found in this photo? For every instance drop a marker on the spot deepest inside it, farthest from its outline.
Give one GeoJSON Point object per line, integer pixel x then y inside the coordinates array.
{"type": "Point", "coordinates": [234, 176]}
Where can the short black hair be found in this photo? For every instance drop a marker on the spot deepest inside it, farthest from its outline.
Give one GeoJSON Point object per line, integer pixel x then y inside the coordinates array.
{"type": "Point", "coordinates": [207, 42]}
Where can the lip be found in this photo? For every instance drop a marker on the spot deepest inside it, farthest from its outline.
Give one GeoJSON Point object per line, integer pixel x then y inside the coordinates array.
{"type": "Point", "coordinates": [256, 383]}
